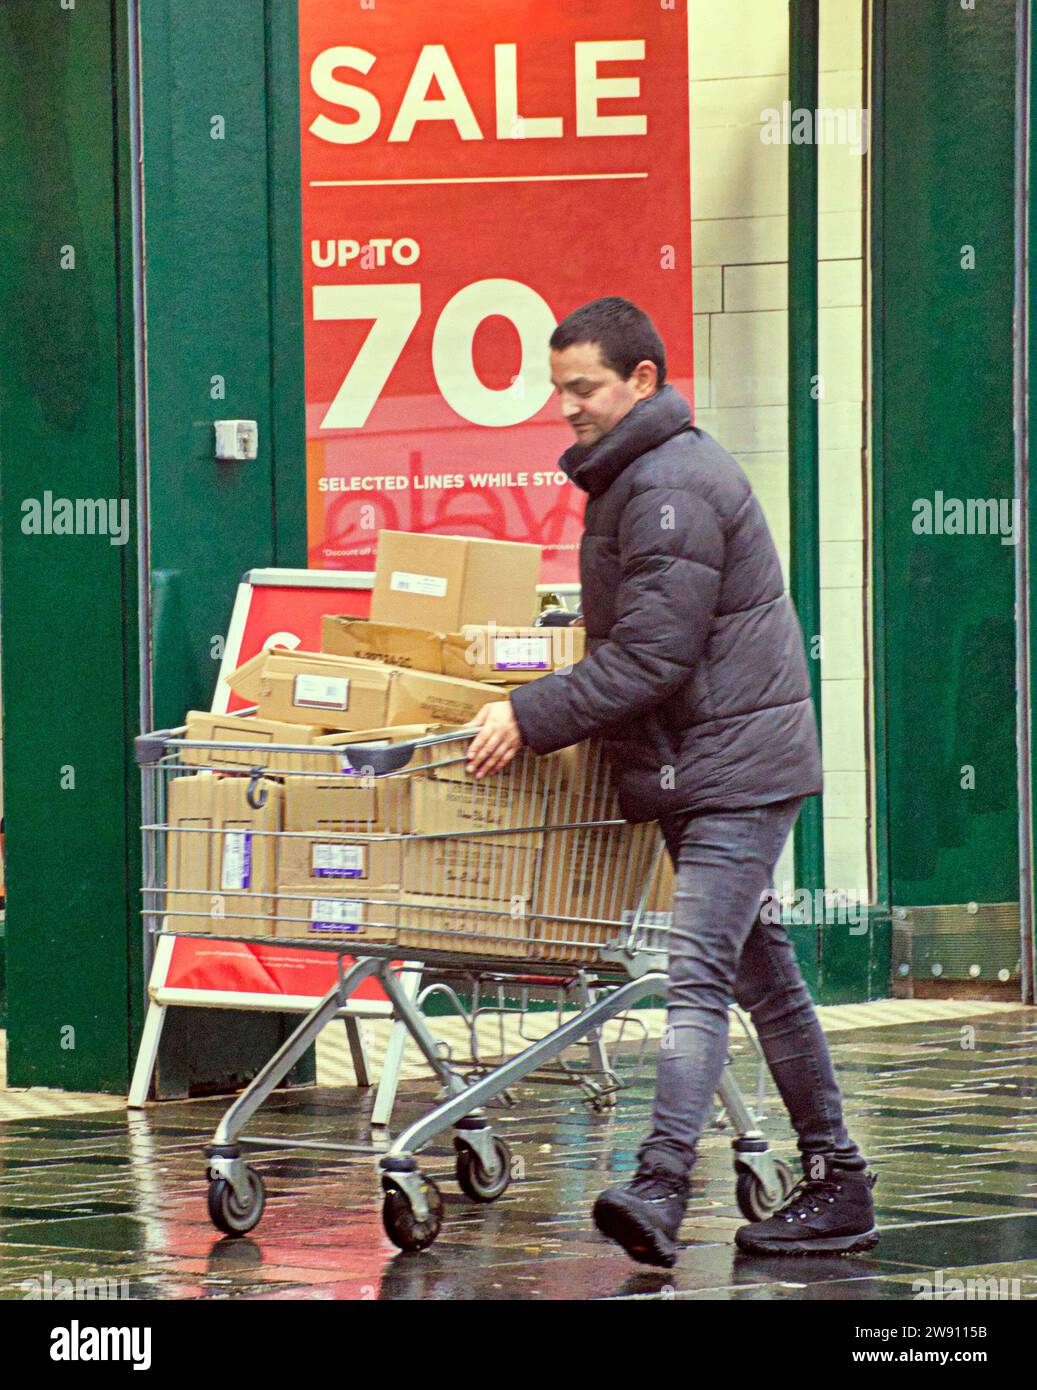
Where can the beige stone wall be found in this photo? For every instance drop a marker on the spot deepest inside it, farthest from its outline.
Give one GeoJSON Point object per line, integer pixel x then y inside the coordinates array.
{"type": "Point", "coordinates": [739, 68]}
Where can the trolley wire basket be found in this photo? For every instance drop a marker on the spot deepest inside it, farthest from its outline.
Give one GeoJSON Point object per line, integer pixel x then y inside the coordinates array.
{"type": "Point", "coordinates": [385, 849]}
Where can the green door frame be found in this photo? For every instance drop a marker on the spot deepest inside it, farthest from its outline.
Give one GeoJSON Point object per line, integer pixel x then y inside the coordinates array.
{"type": "Point", "coordinates": [803, 428]}
{"type": "Point", "coordinates": [1026, 379]}
{"type": "Point", "coordinates": [70, 637]}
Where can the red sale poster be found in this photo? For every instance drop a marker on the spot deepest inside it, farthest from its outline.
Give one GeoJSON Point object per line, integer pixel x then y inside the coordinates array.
{"type": "Point", "coordinates": [472, 172]}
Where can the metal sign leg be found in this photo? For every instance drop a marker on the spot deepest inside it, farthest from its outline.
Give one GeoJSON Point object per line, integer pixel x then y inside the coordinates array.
{"type": "Point", "coordinates": [410, 983]}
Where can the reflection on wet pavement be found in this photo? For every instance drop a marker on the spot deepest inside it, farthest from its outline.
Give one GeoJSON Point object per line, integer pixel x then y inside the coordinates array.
{"type": "Point", "coordinates": [950, 1129]}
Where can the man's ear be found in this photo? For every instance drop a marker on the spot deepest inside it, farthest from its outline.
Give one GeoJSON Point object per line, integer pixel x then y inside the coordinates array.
{"type": "Point", "coordinates": [644, 379]}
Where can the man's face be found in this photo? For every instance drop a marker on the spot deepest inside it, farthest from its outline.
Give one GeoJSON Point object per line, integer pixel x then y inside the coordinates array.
{"type": "Point", "coordinates": [593, 397]}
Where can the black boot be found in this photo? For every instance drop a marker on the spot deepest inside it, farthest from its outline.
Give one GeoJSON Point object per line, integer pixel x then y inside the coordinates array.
{"type": "Point", "coordinates": [831, 1213]}
{"type": "Point", "coordinates": [645, 1215]}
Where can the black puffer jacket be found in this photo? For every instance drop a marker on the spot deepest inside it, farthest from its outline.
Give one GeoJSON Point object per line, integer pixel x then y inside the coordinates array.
{"type": "Point", "coordinates": [695, 674]}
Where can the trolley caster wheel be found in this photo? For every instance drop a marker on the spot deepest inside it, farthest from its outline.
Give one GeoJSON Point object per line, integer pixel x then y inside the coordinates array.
{"type": "Point", "coordinates": [402, 1226]}
{"type": "Point", "coordinates": [228, 1213]}
{"type": "Point", "coordinates": [753, 1202]}
{"type": "Point", "coordinates": [473, 1179]}
{"type": "Point", "coordinates": [603, 1103]}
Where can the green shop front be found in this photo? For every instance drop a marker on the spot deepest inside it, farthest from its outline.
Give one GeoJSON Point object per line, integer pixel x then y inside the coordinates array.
{"type": "Point", "coordinates": [240, 211]}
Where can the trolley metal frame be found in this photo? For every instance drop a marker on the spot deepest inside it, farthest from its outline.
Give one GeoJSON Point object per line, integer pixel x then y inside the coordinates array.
{"type": "Point", "coordinates": [627, 965]}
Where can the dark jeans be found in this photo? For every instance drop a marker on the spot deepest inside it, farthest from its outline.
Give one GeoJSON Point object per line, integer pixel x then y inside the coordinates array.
{"type": "Point", "coordinates": [722, 948]}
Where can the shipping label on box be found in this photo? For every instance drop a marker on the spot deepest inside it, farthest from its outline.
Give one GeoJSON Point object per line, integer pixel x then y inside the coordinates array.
{"type": "Point", "coordinates": [493, 653]}
{"type": "Point", "coordinates": [340, 866]}
{"type": "Point", "coordinates": [318, 918]}
{"type": "Point", "coordinates": [440, 583]}
{"type": "Point", "coordinates": [434, 585]}
{"type": "Point", "coordinates": [236, 874]}
{"type": "Point", "coordinates": [528, 653]}
{"type": "Point", "coordinates": [334, 914]}
{"type": "Point", "coordinates": [321, 692]}
{"type": "Point", "coordinates": [331, 860]}
{"type": "Point", "coordinates": [220, 856]}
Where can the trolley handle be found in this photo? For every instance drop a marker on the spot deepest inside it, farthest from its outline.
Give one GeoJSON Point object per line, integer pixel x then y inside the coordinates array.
{"type": "Point", "coordinates": [380, 762]}
{"type": "Point", "coordinates": [151, 747]}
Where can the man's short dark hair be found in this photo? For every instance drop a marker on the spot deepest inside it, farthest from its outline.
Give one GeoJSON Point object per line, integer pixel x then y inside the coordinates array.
{"type": "Point", "coordinates": [625, 334]}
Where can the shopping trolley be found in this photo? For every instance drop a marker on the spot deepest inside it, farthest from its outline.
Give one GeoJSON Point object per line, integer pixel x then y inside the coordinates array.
{"type": "Point", "coordinates": [390, 856]}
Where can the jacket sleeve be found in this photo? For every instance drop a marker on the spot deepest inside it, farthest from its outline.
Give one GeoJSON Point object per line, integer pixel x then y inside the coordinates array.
{"type": "Point", "coordinates": [671, 551]}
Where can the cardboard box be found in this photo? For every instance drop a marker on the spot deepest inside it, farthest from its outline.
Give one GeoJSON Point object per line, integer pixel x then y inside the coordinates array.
{"type": "Point", "coordinates": [354, 798]}
{"type": "Point", "coordinates": [338, 864]}
{"type": "Point", "coordinates": [660, 897]}
{"type": "Point", "coordinates": [302, 917]}
{"type": "Point", "coordinates": [593, 873]}
{"type": "Point", "coordinates": [313, 688]}
{"type": "Point", "coordinates": [337, 692]}
{"type": "Point", "coordinates": [371, 805]}
{"type": "Point", "coordinates": [449, 806]}
{"type": "Point", "coordinates": [251, 732]}
{"type": "Point", "coordinates": [465, 925]}
{"type": "Point", "coordinates": [479, 867]}
{"type": "Point", "coordinates": [361, 640]}
{"type": "Point", "coordinates": [220, 856]}
{"type": "Point", "coordinates": [477, 653]}
{"type": "Point", "coordinates": [512, 654]}
{"type": "Point", "coordinates": [580, 784]}
{"type": "Point", "coordinates": [440, 583]}
{"type": "Point", "coordinates": [419, 697]}
{"type": "Point", "coordinates": [244, 679]}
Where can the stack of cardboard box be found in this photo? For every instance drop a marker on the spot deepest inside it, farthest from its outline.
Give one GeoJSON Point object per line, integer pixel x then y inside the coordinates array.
{"type": "Point", "coordinates": [428, 857]}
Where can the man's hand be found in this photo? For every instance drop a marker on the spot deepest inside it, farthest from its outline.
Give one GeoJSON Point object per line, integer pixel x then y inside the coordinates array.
{"type": "Point", "coordinates": [498, 740]}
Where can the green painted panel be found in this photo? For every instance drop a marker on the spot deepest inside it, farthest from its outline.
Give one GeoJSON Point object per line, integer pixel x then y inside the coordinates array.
{"type": "Point", "coordinates": [224, 292]}
{"type": "Point", "coordinates": [211, 321]}
{"type": "Point", "coordinates": [69, 600]}
{"type": "Point", "coordinates": [855, 960]}
{"type": "Point", "coordinates": [944, 349]}
{"type": "Point", "coordinates": [805, 938]}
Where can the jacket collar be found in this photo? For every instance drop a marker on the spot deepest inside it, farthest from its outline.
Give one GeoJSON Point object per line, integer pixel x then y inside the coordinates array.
{"type": "Point", "coordinates": [650, 423]}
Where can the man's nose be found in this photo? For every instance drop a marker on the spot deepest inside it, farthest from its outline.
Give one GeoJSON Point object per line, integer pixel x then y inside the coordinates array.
{"type": "Point", "coordinates": [570, 409]}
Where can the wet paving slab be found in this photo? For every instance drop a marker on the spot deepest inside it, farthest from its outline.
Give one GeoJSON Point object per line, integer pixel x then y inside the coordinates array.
{"type": "Point", "coordinates": [948, 1119]}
